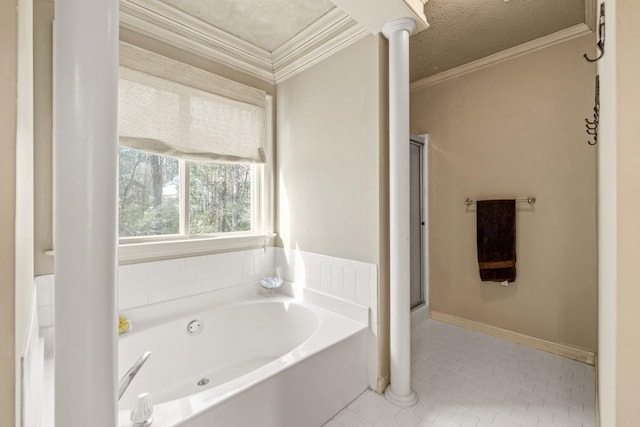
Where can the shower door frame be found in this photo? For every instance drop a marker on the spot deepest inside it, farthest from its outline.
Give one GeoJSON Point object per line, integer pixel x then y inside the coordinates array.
{"type": "Point", "coordinates": [422, 142]}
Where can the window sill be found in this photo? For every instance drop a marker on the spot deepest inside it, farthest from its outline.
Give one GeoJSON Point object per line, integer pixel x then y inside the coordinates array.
{"type": "Point", "coordinates": [131, 253]}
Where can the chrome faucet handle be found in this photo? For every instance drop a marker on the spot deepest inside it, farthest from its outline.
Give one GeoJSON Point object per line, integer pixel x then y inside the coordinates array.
{"type": "Point", "coordinates": [141, 411]}
{"type": "Point", "coordinates": [126, 379]}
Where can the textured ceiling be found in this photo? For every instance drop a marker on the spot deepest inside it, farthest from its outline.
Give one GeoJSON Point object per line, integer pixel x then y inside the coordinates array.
{"type": "Point", "coordinates": [266, 24]}
{"type": "Point", "coordinates": [462, 31]}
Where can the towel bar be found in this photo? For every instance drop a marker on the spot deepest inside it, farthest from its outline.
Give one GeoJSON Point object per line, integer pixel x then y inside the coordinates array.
{"type": "Point", "coordinates": [531, 200]}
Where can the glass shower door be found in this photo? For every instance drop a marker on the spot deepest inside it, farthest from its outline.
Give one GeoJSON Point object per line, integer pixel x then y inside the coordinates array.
{"type": "Point", "coordinates": [417, 223]}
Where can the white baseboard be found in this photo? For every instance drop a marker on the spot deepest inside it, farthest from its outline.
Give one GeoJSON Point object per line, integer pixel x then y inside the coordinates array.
{"type": "Point", "coordinates": [571, 352]}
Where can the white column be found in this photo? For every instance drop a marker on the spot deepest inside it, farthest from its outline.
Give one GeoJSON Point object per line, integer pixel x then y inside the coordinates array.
{"type": "Point", "coordinates": [398, 32]}
{"type": "Point", "coordinates": [85, 185]}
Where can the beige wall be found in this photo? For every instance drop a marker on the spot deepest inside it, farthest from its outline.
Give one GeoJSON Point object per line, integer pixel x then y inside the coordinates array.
{"type": "Point", "coordinates": [628, 333]}
{"type": "Point", "coordinates": [513, 130]}
{"type": "Point", "coordinates": [8, 95]}
{"type": "Point", "coordinates": [384, 368]}
{"type": "Point", "coordinates": [332, 178]}
{"type": "Point", "coordinates": [328, 155]}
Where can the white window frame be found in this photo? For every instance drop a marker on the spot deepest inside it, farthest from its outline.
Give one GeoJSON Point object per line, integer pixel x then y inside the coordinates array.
{"type": "Point", "coordinates": [138, 249]}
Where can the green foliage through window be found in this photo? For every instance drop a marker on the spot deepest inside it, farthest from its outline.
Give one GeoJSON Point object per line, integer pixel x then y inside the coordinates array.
{"type": "Point", "coordinates": [149, 194]}
{"type": "Point", "coordinates": [219, 198]}
{"type": "Point", "coordinates": [150, 190]}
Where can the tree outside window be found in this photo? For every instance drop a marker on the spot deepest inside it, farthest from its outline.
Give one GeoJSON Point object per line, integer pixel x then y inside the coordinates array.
{"type": "Point", "coordinates": [219, 196]}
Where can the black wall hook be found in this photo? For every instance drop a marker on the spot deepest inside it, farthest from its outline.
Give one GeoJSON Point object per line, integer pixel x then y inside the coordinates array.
{"type": "Point", "coordinates": [601, 36]}
{"type": "Point", "coordinates": [593, 125]}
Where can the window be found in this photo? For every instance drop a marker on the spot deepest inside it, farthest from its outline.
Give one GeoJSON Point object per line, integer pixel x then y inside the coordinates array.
{"type": "Point", "coordinates": [149, 194]}
{"type": "Point", "coordinates": [219, 198]}
{"type": "Point", "coordinates": [211, 198]}
{"type": "Point", "coordinates": [194, 156]}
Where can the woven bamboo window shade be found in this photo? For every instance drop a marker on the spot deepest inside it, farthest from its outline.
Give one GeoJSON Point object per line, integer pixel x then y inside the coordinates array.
{"type": "Point", "coordinates": [176, 110]}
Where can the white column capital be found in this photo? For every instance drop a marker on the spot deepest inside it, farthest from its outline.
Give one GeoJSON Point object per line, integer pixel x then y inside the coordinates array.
{"type": "Point", "coordinates": [400, 24]}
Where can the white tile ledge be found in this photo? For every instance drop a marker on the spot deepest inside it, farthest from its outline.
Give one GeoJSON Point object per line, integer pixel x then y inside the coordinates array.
{"type": "Point", "coordinates": [134, 252]}
{"type": "Point", "coordinates": [351, 310]}
{"type": "Point", "coordinates": [146, 251]}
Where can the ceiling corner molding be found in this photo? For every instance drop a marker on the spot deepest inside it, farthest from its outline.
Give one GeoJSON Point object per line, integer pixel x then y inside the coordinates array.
{"type": "Point", "coordinates": [505, 55]}
{"type": "Point", "coordinates": [172, 26]}
{"type": "Point", "coordinates": [334, 31]}
{"type": "Point", "coordinates": [331, 33]}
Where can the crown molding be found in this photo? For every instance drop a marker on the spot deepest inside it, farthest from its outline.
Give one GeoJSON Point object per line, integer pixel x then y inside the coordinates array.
{"type": "Point", "coordinates": [340, 41]}
{"type": "Point", "coordinates": [170, 25]}
{"type": "Point", "coordinates": [505, 55]}
{"type": "Point", "coordinates": [333, 31]}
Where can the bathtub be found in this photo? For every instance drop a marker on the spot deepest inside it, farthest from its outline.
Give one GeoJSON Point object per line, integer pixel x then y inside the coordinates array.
{"type": "Point", "coordinates": [260, 362]}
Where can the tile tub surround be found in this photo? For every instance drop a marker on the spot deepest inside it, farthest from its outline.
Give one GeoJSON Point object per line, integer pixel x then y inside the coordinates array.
{"type": "Point", "coordinates": [466, 378]}
{"type": "Point", "coordinates": [153, 282]}
{"type": "Point", "coordinates": [351, 280]}
{"type": "Point", "coordinates": [158, 281]}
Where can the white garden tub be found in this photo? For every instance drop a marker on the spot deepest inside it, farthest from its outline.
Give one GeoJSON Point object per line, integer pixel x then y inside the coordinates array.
{"type": "Point", "coordinates": [266, 362]}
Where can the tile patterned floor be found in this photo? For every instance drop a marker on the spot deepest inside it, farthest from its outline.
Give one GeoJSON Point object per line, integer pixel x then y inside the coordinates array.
{"type": "Point", "coordinates": [464, 378]}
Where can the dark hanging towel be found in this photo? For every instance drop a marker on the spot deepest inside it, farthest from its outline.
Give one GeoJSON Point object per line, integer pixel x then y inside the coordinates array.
{"type": "Point", "coordinates": [496, 235]}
